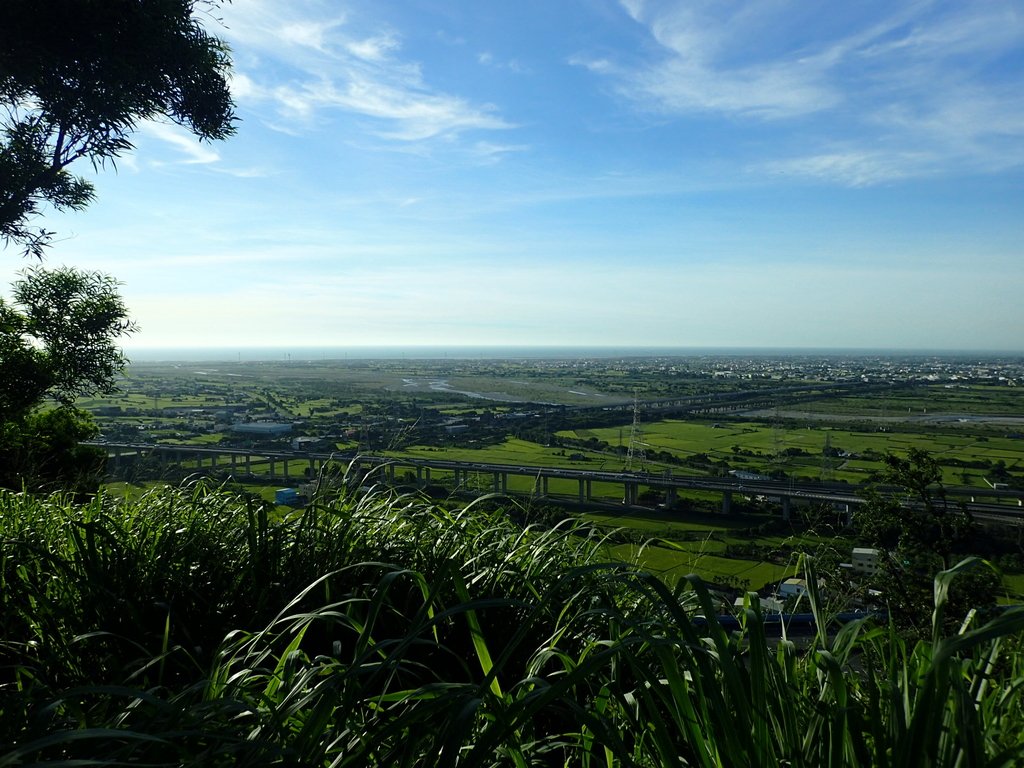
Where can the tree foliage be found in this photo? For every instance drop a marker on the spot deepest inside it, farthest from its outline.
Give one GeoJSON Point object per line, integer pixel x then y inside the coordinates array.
{"type": "Point", "coordinates": [76, 79]}
{"type": "Point", "coordinates": [59, 338]}
{"type": "Point", "coordinates": [43, 452]}
{"type": "Point", "coordinates": [58, 341]}
{"type": "Point", "coordinates": [920, 532]}
{"type": "Point", "coordinates": [918, 516]}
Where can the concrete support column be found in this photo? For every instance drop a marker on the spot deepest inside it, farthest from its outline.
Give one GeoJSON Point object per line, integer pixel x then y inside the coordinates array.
{"type": "Point", "coordinates": [287, 474]}
{"type": "Point", "coordinates": [544, 486]}
{"type": "Point", "coordinates": [787, 508]}
{"type": "Point", "coordinates": [670, 496]}
{"type": "Point", "coordinates": [583, 490]}
{"type": "Point", "coordinates": [213, 460]}
{"type": "Point", "coordinates": [419, 474]}
{"type": "Point", "coordinates": [497, 482]}
{"type": "Point", "coordinates": [590, 490]}
{"type": "Point", "coordinates": [390, 473]}
{"type": "Point", "coordinates": [234, 460]}
{"type": "Point", "coordinates": [248, 464]}
{"type": "Point", "coordinates": [504, 482]}
{"type": "Point", "coordinates": [629, 494]}
{"type": "Point", "coordinates": [426, 473]}
{"type": "Point", "coordinates": [199, 461]}
{"type": "Point", "coordinates": [727, 502]}
{"type": "Point", "coordinates": [269, 459]}
{"type": "Point", "coordinates": [312, 467]}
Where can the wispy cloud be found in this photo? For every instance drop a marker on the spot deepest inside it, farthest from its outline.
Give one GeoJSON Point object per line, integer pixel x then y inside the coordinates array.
{"type": "Point", "coordinates": [373, 48]}
{"type": "Point", "coordinates": [489, 152]}
{"type": "Point", "coordinates": [254, 172]}
{"type": "Point", "coordinates": [853, 168]}
{"type": "Point", "coordinates": [310, 63]}
{"type": "Point", "coordinates": [192, 151]}
{"type": "Point", "coordinates": [912, 89]}
{"type": "Point", "coordinates": [707, 62]}
{"type": "Point", "coordinates": [488, 59]}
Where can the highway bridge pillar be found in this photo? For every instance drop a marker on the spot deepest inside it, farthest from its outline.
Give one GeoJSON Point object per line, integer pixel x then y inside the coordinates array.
{"type": "Point", "coordinates": [312, 467]}
{"type": "Point", "coordinates": [497, 482]}
{"type": "Point", "coordinates": [583, 490]}
{"type": "Point", "coordinates": [287, 474]}
{"type": "Point", "coordinates": [234, 460]}
{"type": "Point", "coordinates": [248, 464]}
{"type": "Point", "coordinates": [271, 461]}
{"type": "Point", "coordinates": [504, 482]}
{"type": "Point", "coordinates": [727, 502]}
{"type": "Point", "coordinates": [213, 460]}
{"type": "Point", "coordinates": [390, 472]}
{"type": "Point", "coordinates": [426, 474]}
{"type": "Point", "coordinates": [787, 508]}
{"type": "Point", "coordinates": [419, 474]}
{"type": "Point", "coordinates": [629, 494]}
{"type": "Point", "coordinates": [590, 490]}
{"type": "Point", "coordinates": [544, 486]}
{"type": "Point", "coordinates": [670, 496]}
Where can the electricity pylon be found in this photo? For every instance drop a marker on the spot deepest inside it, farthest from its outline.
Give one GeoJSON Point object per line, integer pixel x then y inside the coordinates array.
{"type": "Point", "coordinates": [636, 437]}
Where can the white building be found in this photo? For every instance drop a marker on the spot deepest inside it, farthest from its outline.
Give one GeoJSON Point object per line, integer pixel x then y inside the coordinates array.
{"type": "Point", "coordinates": [865, 560]}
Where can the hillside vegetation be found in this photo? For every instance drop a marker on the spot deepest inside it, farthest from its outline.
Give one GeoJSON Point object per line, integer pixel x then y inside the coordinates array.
{"type": "Point", "coordinates": [194, 626]}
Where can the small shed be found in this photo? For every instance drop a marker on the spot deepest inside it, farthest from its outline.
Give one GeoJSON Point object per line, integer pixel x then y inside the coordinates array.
{"type": "Point", "coordinates": [286, 497]}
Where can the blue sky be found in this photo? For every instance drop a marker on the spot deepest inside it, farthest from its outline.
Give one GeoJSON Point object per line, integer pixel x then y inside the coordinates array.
{"type": "Point", "coordinates": [589, 172]}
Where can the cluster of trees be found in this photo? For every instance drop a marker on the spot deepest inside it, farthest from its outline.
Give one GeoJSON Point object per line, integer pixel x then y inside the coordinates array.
{"type": "Point", "coordinates": [76, 79]}
{"type": "Point", "coordinates": [920, 532]}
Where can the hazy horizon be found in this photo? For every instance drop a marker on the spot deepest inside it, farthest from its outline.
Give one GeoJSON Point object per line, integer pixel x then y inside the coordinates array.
{"type": "Point", "coordinates": [437, 352]}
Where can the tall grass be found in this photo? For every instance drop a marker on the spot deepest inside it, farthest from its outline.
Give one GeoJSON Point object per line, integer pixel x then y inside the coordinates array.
{"type": "Point", "coordinates": [195, 626]}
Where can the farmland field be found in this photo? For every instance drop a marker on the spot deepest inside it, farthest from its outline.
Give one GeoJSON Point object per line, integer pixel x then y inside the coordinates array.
{"type": "Point", "coordinates": [561, 413]}
{"type": "Point", "coordinates": [800, 451]}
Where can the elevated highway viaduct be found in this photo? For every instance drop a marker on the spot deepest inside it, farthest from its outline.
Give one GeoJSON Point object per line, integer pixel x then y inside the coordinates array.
{"type": "Point", "coordinates": [288, 467]}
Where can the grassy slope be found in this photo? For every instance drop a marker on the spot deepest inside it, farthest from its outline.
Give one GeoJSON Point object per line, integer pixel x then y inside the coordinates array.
{"type": "Point", "coordinates": [191, 626]}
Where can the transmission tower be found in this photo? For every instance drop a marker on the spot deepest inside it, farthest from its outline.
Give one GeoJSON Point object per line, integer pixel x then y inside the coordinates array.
{"type": "Point", "coordinates": [775, 461]}
{"type": "Point", "coordinates": [636, 437]}
{"type": "Point", "coordinates": [827, 464]}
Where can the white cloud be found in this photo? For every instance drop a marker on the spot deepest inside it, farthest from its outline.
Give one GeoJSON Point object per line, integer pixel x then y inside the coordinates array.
{"type": "Point", "coordinates": [699, 70]}
{"type": "Point", "coordinates": [599, 66]}
{"type": "Point", "coordinates": [307, 63]}
{"type": "Point", "coordinates": [914, 89]}
{"type": "Point", "coordinates": [253, 172]}
{"type": "Point", "coordinates": [195, 153]}
{"type": "Point", "coordinates": [853, 168]}
{"type": "Point", "coordinates": [311, 34]}
{"type": "Point", "coordinates": [373, 48]}
{"type": "Point", "coordinates": [407, 114]}
{"type": "Point", "coordinates": [488, 59]}
{"type": "Point", "coordinates": [489, 152]}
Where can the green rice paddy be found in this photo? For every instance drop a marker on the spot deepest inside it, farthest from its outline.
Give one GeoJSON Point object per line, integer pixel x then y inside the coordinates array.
{"type": "Point", "coordinates": [762, 448]}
